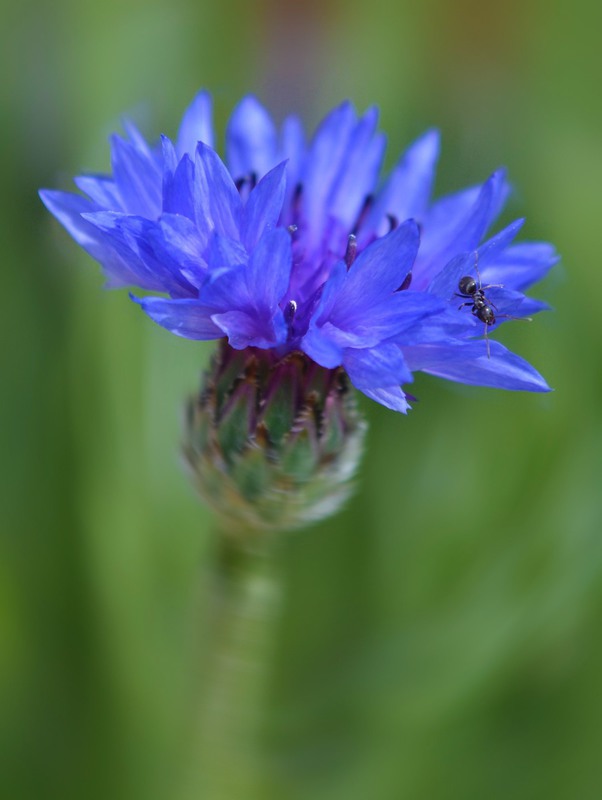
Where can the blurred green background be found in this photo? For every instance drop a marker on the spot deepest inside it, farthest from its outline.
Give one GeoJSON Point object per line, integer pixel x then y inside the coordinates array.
{"type": "Point", "coordinates": [441, 637]}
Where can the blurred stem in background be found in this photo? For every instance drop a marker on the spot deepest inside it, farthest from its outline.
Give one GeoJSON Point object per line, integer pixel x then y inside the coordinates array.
{"type": "Point", "coordinates": [244, 607]}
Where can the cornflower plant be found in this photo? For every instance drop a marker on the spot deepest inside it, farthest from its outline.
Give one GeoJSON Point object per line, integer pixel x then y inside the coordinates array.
{"type": "Point", "coordinates": [314, 277]}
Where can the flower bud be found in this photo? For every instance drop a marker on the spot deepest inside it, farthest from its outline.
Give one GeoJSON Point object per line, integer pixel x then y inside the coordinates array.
{"type": "Point", "coordinates": [272, 442]}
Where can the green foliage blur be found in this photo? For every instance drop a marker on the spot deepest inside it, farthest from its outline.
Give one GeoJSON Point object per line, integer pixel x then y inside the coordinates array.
{"type": "Point", "coordinates": [439, 639]}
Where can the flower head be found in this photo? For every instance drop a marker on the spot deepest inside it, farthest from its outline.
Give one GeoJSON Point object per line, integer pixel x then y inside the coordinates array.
{"type": "Point", "coordinates": [294, 246]}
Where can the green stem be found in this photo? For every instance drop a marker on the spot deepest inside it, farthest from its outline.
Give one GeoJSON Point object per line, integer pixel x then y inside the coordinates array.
{"type": "Point", "coordinates": [245, 613]}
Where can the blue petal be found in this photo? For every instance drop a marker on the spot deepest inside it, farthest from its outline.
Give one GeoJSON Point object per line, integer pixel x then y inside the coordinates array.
{"type": "Point", "coordinates": [196, 125]}
{"type": "Point", "coordinates": [225, 253]}
{"type": "Point", "coordinates": [379, 270]}
{"type": "Point", "coordinates": [376, 367]}
{"type": "Point", "coordinates": [68, 209]}
{"type": "Point", "coordinates": [251, 142]}
{"type": "Point", "coordinates": [408, 189]}
{"type": "Point", "coordinates": [216, 197]}
{"type": "Point", "coordinates": [264, 206]}
{"type": "Point", "coordinates": [179, 238]}
{"type": "Point", "coordinates": [391, 318]}
{"type": "Point", "coordinates": [249, 330]}
{"type": "Point", "coordinates": [330, 293]}
{"type": "Point", "coordinates": [378, 373]}
{"type": "Point", "coordinates": [326, 154]}
{"type": "Point", "coordinates": [170, 157]}
{"type": "Point", "coordinates": [269, 270]}
{"type": "Point", "coordinates": [467, 362]}
{"type": "Point", "coordinates": [445, 284]}
{"type": "Point", "coordinates": [141, 244]}
{"type": "Point", "coordinates": [101, 189]}
{"type": "Point", "coordinates": [137, 139]}
{"type": "Point", "coordinates": [178, 192]}
{"type": "Point", "coordinates": [322, 349]}
{"type": "Point", "coordinates": [137, 177]}
{"type": "Point", "coordinates": [392, 397]}
{"type": "Point", "coordinates": [293, 151]}
{"type": "Point", "coordinates": [359, 171]}
{"type": "Point", "coordinates": [522, 265]}
{"type": "Point", "coordinates": [457, 225]}
{"type": "Point", "coordinates": [257, 288]}
{"type": "Point", "coordinates": [226, 290]}
{"type": "Point", "coordinates": [187, 318]}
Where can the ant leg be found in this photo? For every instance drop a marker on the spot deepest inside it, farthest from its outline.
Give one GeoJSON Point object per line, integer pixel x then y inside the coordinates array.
{"type": "Point", "coordinates": [508, 316]}
{"type": "Point", "coordinates": [489, 285]}
{"type": "Point", "coordinates": [465, 304]}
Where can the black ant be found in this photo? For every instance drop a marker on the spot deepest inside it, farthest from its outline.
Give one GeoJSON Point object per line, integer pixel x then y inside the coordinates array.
{"type": "Point", "coordinates": [480, 306]}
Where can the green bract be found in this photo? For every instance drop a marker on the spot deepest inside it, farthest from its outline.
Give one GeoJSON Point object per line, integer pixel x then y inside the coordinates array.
{"type": "Point", "coordinates": [273, 443]}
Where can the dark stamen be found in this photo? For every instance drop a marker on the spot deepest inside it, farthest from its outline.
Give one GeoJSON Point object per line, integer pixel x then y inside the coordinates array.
{"type": "Point", "coordinates": [368, 202]}
{"type": "Point", "coordinates": [291, 310]}
{"type": "Point", "coordinates": [250, 180]}
{"type": "Point", "coordinates": [406, 282]}
{"type": "Point", "coordinates": [351, 251]}
{"type": "Point", "coordinates": [393, 222]}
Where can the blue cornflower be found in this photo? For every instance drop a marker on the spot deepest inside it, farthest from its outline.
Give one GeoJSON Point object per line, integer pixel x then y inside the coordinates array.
{"type": "Point", "coordinates": [294, 246]}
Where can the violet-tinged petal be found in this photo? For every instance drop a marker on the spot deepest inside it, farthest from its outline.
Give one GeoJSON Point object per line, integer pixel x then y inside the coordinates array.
{"type": "Point", "coordinates": [378, 373]}
{"type": "Point", "coordinates": [522, 265]}
{"type": "Point", "coordinates": [474, 263]}
{"type": "Point", "coordinates": [226, 289]}
{"type": "Point", "coordinates": [181, 237]}
{"type": "Point", "coordinates": [268, 273]}
{"type": "Point", "coordinates": [225, 253]}
{"type": "Point", "coordinates": [468, 362]}
{"type": "Point", "coordinates": [101, 190]}
{"type": "Point", "coordinates": [253, 291]}
{"type": "Point", "coordinates": [321, 348]}
{"type": "Point", "coordinates": [262, 209]}
{"type": "Point", "coordinates": [251, 140]}
{"type": "Point", "coordinates": [137, 139]}
{"type": "Point", "coordinates": [528, 307]}
{"type": "Point", "coordinates": [196, 125]}
{"type": "Point", "coordinates": [458, 225]}
{"type": "Point", "coordinates": [375, 367]}
{"type": "Point", "coordinates": [170, 157]}
{"type": "Point", "coordinates": [391, 317]}
{"type": "Point", "coordinates": [441, 327]}
{"type": "Point", "coordinates": [379, 270]}
{"type": "Point", "coordinates": [392, 397]}
{"type": "Point", "coordinates": [216, 198]}
{"type": "Point", "coordinates": [359, 172]}
{"type": "Point", "coordinates": [292, 150]}
{"type": "Point", "coordinates": [70, 210]}
{"type": "Point", "coordinates": [178, 193]}
{"type": "Point", "coordinates": [250, 330]}
{"type": "Point", "coordinates": [187, 318]}
{"type": "Point", "coordinates": [323, 162]}
{"type": "Point", "coordinates": [330, 294]}
{"type": "Point", "coordinates": [137, 177]}
{"type": "Point", "coordinates": [408, 189]}
{"type": "Point", "coordinates": [471, 229]}
{"type": "Point", "coordinates": [139, 241]}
